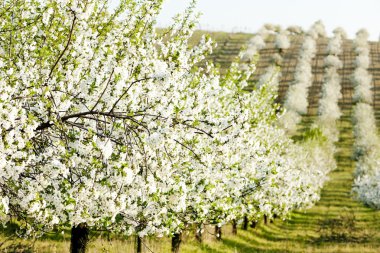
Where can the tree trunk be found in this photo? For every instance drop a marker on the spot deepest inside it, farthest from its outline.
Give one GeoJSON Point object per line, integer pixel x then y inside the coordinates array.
{"type": "Point", "coordinates": [198, 233]}
{"type": "Point", "coordinates": [234, 227]}
{"type": "Point", "coordinates": [218, 233]}
{"type": "Point", "coordinates": [274, 217]}
{"type": "Point", "coordinates": [253, 224]}
{"type": "Point", "coordinates": [245, 223]}
{"type": "Point", "coordinates": [138, 244]}
{"type": "Point", "coordinates": [79, 238]}
{"type": "Point", "coordinates": [176, 242]}
{"type": "Point", "coordinates": [265, 219]}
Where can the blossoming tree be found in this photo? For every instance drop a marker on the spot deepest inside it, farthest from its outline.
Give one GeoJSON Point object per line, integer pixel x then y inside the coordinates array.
{"type": "Point", "coordinates": [107, 124]}
{"type": "Point", "coordinates": [99, 114]}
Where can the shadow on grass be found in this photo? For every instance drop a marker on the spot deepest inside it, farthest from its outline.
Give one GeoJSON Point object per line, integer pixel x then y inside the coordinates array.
{"type": "Point", "coordinates": [342, 229]}
{"type": "Point", "coordinates": [208, 249]}
{"type": "Point", "coordinates": [18, 247]}
{"type": "Point", "coordinates": [244, 248]}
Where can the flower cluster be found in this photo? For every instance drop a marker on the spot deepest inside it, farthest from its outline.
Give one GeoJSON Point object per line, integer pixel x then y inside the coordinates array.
{"type": "Point", "coordinates": [282, 40]}
{"type": "Point", "coordinates": [361, 78]}
{"type": "Point", "coordinates": [296, 101]}
{"type": "Point", "coordinates": [329, 111]}
{"type": "Point", "coordinates": [255, 44]}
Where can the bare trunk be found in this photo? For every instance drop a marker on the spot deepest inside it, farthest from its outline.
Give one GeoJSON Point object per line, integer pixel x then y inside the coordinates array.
{"type": "Point", "coordinates": [245, 223]}
{"type": "Point", "coordinates": [218, 233]}
{"type": "Point", "coordinates": [265, 219]}
{"type": "Point", "coordinates": [253, 224]}
{"type": "Point", "coordinates": [198, 233]}
{"type": "Point", "coordinates": [234, 227]}
{"type": "Point", "coordinates": [176, 242]}
{"type": "Point", "coordinates": [79, 238]}
{"type": "Point", "coordinates": [138, 244]}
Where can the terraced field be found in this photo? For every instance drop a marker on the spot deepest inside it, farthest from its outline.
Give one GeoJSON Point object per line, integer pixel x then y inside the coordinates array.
{"type": "Point", "coordinates": [229, 46]}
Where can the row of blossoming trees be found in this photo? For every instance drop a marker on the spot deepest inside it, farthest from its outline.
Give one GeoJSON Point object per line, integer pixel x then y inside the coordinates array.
{"type": "Point", "coordinates": [108, 125]}
{"type": "Point", "coordinates": [366, 146]}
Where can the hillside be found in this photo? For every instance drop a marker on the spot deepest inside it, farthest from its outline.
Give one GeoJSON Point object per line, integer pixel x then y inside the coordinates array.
{"type": "Point", "coordinates": [229, 46]}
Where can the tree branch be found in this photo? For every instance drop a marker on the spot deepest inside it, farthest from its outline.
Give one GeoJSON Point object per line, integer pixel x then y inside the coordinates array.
{"type": "Point", "coordinates": [104, 91]}
{"type": "Point", "coordinates": [65, 49]}
{"type": "Point", "coordinates": [126, 91]}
